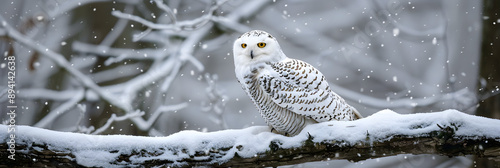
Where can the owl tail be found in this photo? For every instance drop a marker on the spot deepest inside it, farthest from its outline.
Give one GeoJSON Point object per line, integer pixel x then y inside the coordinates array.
{"type": "Point", "coordinates": [356, 113]}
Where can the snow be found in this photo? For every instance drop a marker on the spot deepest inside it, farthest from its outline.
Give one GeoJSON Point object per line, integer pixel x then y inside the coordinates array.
{"type": "Point", "coordinates": [386, 123]}
{"type": "Point", "coordinates": [103, 150]}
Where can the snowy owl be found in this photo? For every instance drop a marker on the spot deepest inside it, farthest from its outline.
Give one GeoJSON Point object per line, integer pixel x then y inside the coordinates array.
{"type": "Point", "coordinates": [288, 93]}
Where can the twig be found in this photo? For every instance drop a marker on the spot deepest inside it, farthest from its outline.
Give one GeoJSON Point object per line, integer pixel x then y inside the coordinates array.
{"type": "Point", "coordinates": [47, 94]}
{"type": "Point", "coordinates": [217, 101]}
{"type": "Point", "coordinates": [83, 109]}
{"type": "Point", "coordinates": [175, 26]}
{"type": "Point", "coordinates": [168, 10]}
{"type": "Point", "coordinates": [118, 54]}
{"type": "Point", "coordinates": [130, 88]}
{"type": "Point", "coordinates": [111, 74]}
{"type": "Point", "coordinates": [409, 32]}
{"type": "Point", "coordinates": [62, 8]}
{"type": "Point", "coordinates": [63, 63]}
{"type": "Point", "coordinates": [160, 110]}
{"type": "Point", "coordinates": [114, 118]}
{"type": "Point", "coordinates": [465, 94]}
{"type": "Point", "coordinates": [48, 119]}
{"type": "Point", "coordinates": [141, 35]}
{"type": "Point", "coordinates": [187, 48]}
{"type": "Point", "coordinates": [170, 78]}
{"type": "Point", "coordinates": [145, 22]}
{"type": "Point", "coordinates": [120, 25]}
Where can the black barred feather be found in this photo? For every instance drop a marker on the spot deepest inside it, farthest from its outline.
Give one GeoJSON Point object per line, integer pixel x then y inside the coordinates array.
{"type": "Point", "coordinates": [297, 96]}
{"type": "Point", "coordinates": [288, 93]}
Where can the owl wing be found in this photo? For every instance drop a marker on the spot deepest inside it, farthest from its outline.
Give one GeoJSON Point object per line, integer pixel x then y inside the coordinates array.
{"type": "Point", "coordinates": [302, 89]}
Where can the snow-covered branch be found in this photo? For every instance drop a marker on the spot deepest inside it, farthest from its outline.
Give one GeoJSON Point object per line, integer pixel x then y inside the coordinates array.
{"type": "Point", "coordinates": [170, 53]}
{"type": "Point", "coordinates": [63, 63]}
{"type": "Point", "coordinates": [169, 12]}
{"type": "Point", "coordinates": [464, 98]}
{"type": "Point", "coordinates": [386, 133]}
{"type": "Point", "coordinates": [217, 101]}
{"type": "Point", "coordinates": [160, 110]}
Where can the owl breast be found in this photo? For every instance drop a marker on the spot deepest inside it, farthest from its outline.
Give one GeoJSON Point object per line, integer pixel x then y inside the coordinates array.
{"type": "Point", "coordinates": [281, 119]}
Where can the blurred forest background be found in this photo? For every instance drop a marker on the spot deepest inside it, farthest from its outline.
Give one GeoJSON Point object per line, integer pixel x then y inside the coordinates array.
{"type": "Point", "coordinates": [156, 67]}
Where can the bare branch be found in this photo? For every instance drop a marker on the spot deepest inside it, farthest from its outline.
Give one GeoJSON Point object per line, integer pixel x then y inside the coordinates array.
{"type": "Point", "coordinates": [71, 5]}
{"type": "Point", "coordinates": [49, 119]}
{"type": "Point", "coordinates": [167, 10]}
{"type": "Point", "coordinates": [118, 54]}
{"type": "Point", "coordinates": [217, 101]}
{"type": "Point", "coordinates": [170, 78]}
{"type": "Point", "coordinates": [176, 26]}
{"type": "Point", "coordinates": [47, 94]}
{"type": "Point", "coordinates": [114, 118]}
{"type": "Point", "coordinates": [160, 110]}
{"type": "Point", "coordinates": [62, 62]}
{"type": "Point", "coordinates": [118, 28]}
{"type": "Point", "coordinates": [141, 35]}
{"type": "Point", "coordinates": [82, 109]}
{"type": "Point", "coordinates": [465, 97]}
{"type": "Point", "coordinates": [145, 22]}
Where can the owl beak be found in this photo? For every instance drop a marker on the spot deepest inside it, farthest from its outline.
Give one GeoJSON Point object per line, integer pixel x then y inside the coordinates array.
{"type": "Point", "coordinates": [251, 54]}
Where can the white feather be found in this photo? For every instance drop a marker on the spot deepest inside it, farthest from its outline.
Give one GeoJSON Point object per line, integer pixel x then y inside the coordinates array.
{"type": "Point", "coordinates": [288, 93]}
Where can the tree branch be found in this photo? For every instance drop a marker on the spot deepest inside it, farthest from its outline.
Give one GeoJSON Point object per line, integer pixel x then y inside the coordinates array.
{"type": "Point", "coordinates": [63, 63]}
{"type": "Point", "coordinates": [114, 118]}
{"type": "Point", "coordinates": [47, 120]}
{"type": "Point", "coordinates": [333, 150]}
{"type": "Point", "coordinates": [386, 133]}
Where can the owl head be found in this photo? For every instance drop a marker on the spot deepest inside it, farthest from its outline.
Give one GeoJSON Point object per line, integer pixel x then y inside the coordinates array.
{"type": "Point", "coordinates": [255, 47]}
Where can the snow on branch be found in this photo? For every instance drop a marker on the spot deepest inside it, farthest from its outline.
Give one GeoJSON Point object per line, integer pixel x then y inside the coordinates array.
{"type": "Point", "coordinates": [170, 13]}
{"type": "Point", "coordinates": [176, 25]}
{"type": "Point", "coordinates": [217, 101]}
{"type": "Point", "coordinates": [63, 63]}
{"type": "Point", "coordinates": [463, 97]}
{"type": "Point", "coordinates": [162, 63]}
{"type": "Point", "coordinates": [386, 133]}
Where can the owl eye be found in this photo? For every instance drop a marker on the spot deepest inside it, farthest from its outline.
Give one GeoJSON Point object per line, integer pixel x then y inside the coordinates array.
{"type": "Point", "coordinates": [261, 45]}
{"type": "Point", "coordinates": [244, 45]}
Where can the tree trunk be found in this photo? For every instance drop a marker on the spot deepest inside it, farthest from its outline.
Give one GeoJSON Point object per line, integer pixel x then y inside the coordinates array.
{"type": "Point", "coordinates": [489, 68]}
{"type": "Point", "coordinates": [490, 61]}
